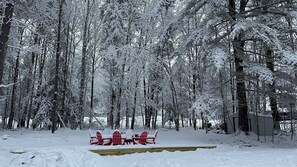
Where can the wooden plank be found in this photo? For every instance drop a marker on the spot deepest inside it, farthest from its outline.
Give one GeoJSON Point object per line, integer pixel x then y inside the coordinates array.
{"type": "Point", "coordinates": [124, 151]}
{"type": "Point", "coordinates": [17, 152]}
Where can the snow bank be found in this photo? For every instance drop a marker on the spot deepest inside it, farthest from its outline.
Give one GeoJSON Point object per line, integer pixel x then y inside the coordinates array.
{"type": "Point", "coordinates": [57, 157]}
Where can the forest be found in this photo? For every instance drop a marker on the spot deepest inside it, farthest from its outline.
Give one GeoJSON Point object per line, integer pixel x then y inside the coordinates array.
{"type": "Point", "coordinates": [65, 63]}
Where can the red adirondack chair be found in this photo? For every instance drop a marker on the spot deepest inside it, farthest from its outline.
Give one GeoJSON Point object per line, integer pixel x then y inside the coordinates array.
{"type": "Point", "coordinates": [151, 139]}
{"type": "Point", "coordinates": [99, 140]}
{"type": "Point", "coordinates": [141, 139]}
{"type": "Point", "coordinates": [93, 138]}
{"type": "Point", "coordinates": [117, 138]}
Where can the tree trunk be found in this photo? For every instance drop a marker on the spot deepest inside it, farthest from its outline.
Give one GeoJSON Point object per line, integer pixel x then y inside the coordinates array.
{"type": "Point", "coordinates": [127, 116]}
{"type": "Point", "coordinates": [15, 78]}
{"type": "Point", "coordinates": [12, 103]}
{"type": "Point", "coordinates": [194, 120]}
{"type": "Point", "coordinates": [113, 99]}
{"type": "Point", "coordinates": [119, 96]}
{"type": "Point", "coordinates": [223, 96]}
{"type": "Point", "coordinates": [154, 126]}
{"type": "Point", "coordinates": [4, 117]}
{"type": "Point", "coordinates": [5, 29]}
{"type": "Point", "coordinates": [202, 120]}
{"type": "Point", "coordinates": [146, 110]}
{"type": "Point", "coordinates": [175, 104]}
{"type": "Point", "coordinates": [1, 11]}
{"type": "Point", "coordinates": [58, 44]}
{"type": "Point", "coordinates": [272, 90]}
{"type": "Point", "coordinates": [162, 111]}
{"type": "Point", "coordinates": [31, 81]}
{"type": "Point", "coordinates": [64, 115]}
{"type": "Point", "coordinates": [41, 64]}
{"type": "Point", "coordinates": [238, 47]}
{"type": "Point", "coordinates": [83, 68]}
{"type": "Point", "coordinates": [92, 85]}
{"type": "Point", "coordinates": [271, 87]}
{"type": "Point", "coordinates": [134, 106]}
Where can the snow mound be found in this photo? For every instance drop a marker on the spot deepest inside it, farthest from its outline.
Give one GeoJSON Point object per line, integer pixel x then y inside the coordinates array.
{"type": "Point", "coordinates": [4, 137]}
{"type": "Point", "coordinates": [58, 157]}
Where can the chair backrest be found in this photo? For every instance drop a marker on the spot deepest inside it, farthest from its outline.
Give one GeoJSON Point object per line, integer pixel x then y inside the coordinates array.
{"type": "Point", "coordinates": [156, 133]}
{"type": "Point", "coordinates": [116, 138]}
{"type": "Point", "coordinates": [90, 133]}
{"type": "Point", "coordinates": [143, 137]}
{"type": "Point", "coordinates": [99, 137]}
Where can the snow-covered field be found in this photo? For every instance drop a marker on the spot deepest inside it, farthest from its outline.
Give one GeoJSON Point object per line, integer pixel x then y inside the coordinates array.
{"type": "Point", "coordinates": [69, 148]}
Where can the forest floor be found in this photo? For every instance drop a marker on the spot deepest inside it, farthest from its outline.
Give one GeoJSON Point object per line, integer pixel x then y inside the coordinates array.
{"type": "Point", "coordinates": [69, 148]}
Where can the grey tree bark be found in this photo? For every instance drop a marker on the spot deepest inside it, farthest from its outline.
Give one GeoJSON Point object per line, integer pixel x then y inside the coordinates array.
{"type": "Point", "coordinates": [58, 53]}
{"type": "Point", "coordinates": [238, 50]}
{"type": "Point", "coordinates": [83, 68]}
{"type": "Point", "coordinates": [15, 78]}
{"type": "Point", "coordinates": [5, 29]}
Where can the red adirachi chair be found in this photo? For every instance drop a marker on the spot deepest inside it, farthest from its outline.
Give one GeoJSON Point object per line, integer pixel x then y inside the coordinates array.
{"type": "Point", "coordinates": [141, 139]}
{"type": "Point", "coordinates": [93, 138]}
{"type": "Point", "coordinates": [117, 138]}
{"type": "Point", "coordinates": [100, 140]}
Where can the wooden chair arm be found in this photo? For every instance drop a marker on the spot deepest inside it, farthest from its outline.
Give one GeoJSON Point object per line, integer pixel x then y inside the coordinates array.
{"type": "Point", "coordinates": [107, 139]}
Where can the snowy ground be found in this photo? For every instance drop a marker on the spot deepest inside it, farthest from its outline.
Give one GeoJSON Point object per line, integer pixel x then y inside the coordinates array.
{"type": "Point", "coordinates": [70, 149]}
